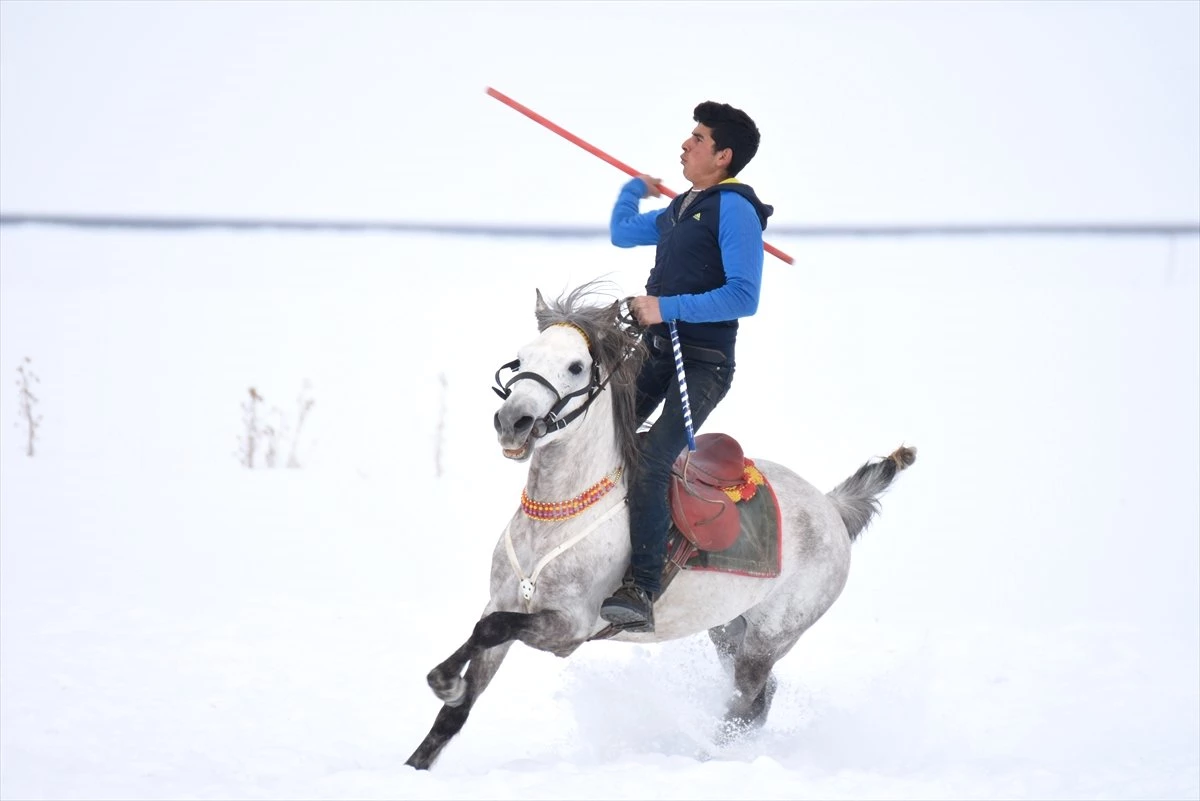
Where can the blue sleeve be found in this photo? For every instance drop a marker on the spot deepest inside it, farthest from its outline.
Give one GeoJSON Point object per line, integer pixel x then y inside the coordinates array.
{"type": "Point", "coordinates": [627, 227]}
{"type": "Point", "coordinates": [739, 234]}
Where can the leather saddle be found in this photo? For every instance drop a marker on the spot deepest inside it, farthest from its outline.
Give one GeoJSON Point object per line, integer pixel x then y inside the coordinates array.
{"type": "Point", "coordinates": [700, 508]}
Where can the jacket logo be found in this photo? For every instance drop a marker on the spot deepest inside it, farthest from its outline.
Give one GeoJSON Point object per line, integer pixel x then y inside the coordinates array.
{"type": "Point", "coordinates": [696, 216]}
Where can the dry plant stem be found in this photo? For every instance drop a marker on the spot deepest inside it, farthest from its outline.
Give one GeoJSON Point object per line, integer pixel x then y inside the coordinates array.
{"type": "Point", "coordinates": [26, 379]}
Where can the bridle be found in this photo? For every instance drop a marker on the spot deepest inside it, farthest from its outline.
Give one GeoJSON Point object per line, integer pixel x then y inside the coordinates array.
{"type": "Point", "coordinates": [551, 422]}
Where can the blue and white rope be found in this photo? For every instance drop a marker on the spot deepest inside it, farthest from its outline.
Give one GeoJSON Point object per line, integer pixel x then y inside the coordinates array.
{"type": "Point", "coordinates": [683, 393]}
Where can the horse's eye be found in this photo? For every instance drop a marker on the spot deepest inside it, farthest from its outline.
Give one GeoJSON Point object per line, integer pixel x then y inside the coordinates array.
{"type": "Point", "coordinates": [576, 368]}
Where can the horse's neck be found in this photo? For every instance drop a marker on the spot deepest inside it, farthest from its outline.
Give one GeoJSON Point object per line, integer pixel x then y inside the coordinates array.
{"type": "Point", "coordinates": [565, 468]}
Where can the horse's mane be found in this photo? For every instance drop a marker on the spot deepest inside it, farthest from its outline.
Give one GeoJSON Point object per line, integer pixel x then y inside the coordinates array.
{"type": "Point", "coordinates": [618, 348]}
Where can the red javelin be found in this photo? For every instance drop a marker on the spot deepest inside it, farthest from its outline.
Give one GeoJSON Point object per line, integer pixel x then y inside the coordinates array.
{"type": "Point", "coordinates": [595, 151]}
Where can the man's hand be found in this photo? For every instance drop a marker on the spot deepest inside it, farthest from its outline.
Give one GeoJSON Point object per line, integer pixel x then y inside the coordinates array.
{"type": "Point", "coordinates": [651, 185]}
{"type": "Point", "coordinates": [645, 309]}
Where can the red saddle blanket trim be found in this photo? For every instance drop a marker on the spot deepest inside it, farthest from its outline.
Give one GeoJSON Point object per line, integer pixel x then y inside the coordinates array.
{"type": "Point", "coordinates": [704, 504]}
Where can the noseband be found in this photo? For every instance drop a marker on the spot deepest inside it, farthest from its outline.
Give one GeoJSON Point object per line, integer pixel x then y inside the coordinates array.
{"type": "Point", "coordinates": [551, 422]}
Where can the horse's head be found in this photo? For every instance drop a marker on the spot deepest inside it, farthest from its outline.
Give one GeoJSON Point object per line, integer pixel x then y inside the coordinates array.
{"type": "Point", "coordinates": [555, 378]}
{"type": "Point", "coordinates": [584, 348]}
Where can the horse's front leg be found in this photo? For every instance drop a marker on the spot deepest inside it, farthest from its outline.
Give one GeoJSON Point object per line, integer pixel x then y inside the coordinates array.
{"type": "Point", "coordinates": [485, 650]}
{"type": "Point", "coordinates": [450, 719]}
{"type": "Point", "coordinates": [547, 630]}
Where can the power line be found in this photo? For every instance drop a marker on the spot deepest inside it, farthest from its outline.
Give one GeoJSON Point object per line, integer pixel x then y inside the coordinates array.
{"type": "Point", "coordinates": [848, 230]}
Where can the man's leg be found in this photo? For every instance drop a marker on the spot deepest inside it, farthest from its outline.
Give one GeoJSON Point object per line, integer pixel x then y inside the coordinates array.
{"type": "Point", "coordinates": [653, 382]}
{"type": "Point", "coordinates": [649, 512]}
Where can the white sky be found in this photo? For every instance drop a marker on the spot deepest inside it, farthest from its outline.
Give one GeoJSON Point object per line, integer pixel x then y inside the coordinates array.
{"type": "Point", "coordinates": [871, 112]}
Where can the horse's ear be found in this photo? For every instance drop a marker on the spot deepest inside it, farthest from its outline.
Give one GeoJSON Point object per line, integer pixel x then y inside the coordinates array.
{"type": "Point", "coordinates": [540, 308]}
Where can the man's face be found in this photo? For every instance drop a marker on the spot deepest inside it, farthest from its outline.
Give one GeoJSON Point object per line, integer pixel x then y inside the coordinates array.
{"type": "Point", "coordinates": [703, 164]}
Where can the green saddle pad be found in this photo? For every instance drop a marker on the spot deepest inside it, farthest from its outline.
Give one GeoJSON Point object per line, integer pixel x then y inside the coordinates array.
{"type": "Point", "coordinates": [757, 550]}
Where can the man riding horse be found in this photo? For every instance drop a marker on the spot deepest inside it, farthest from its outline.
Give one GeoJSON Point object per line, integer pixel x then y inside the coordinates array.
{"type": "Point", "coordinates": [707, 273]}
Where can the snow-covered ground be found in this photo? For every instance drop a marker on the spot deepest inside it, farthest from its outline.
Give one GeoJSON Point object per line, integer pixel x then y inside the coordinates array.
{"type": "Point", "coordinates": [1022, 620]}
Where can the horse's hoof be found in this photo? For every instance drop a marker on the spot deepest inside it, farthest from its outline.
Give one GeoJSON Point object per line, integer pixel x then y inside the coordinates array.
{"type": "Point", "coordinates": [451, 693]}
{"type": "Point", "coordinates": [730, 731]}
{"type": "Point", "coordinates": [735, 728]}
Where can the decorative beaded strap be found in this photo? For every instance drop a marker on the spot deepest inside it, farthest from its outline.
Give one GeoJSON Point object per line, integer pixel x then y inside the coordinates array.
{"type": "Point", "coordinates": [565, 510]}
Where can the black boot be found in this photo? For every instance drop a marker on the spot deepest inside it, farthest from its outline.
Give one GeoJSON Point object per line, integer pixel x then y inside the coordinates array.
{"type": "Point", "coordinates": [630, 608]}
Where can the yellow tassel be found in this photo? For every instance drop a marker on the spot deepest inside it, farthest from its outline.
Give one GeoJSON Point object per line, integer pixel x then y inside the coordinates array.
{"type": "Point", "coordinates": [752, 479]}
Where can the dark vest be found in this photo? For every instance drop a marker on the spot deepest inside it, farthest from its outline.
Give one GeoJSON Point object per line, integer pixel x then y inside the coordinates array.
{"type": "Point", "coordinates": [688, 261]}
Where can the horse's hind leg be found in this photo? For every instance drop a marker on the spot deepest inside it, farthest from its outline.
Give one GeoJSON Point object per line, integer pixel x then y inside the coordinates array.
{"type": "Point", "coordinates": [749, 665]}
{"type": "Point", "coordinates": [450, 718]}
{"type": "Point", "coordinates": [742, 716]}
{"type": "Point", "coordinates": [754, 683]}
{"type": "Point", "coordinates": [728, 639]}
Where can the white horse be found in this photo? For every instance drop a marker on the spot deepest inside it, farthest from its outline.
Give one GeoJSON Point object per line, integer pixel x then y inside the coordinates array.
{"type": "Point", "coordinates": [568, 410]}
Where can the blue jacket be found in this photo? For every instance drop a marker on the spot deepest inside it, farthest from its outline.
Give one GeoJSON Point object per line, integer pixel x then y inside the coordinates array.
{"type": "Point", "coordinates": [708, 266]}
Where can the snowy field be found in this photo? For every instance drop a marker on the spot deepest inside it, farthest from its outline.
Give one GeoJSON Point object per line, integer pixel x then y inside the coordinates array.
{"type": "Point", "coordinates": [1020, 622]}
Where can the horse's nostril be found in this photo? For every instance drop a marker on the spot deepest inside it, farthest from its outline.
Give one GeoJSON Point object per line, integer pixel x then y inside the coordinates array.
{"type": "Point", "coordinates": [496, 421]}
{"type": "Point", "coordinates": [523, 423]}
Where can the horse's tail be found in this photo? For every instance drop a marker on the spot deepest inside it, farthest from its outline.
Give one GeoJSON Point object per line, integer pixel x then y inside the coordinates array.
{"type": "Point", "coordinates": [857, 498]}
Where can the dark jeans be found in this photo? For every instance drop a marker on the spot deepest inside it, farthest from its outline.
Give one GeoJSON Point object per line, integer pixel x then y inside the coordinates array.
{"type": "Point", "coordinates": [649, 512]}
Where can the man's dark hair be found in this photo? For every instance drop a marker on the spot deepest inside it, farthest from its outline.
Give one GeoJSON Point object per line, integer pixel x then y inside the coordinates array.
{"type": "Point", "coordinates": [731, 128]}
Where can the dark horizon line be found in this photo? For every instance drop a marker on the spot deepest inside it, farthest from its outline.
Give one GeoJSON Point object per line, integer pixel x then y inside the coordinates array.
{"type": "Point", "coordinates": [182, 223]}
